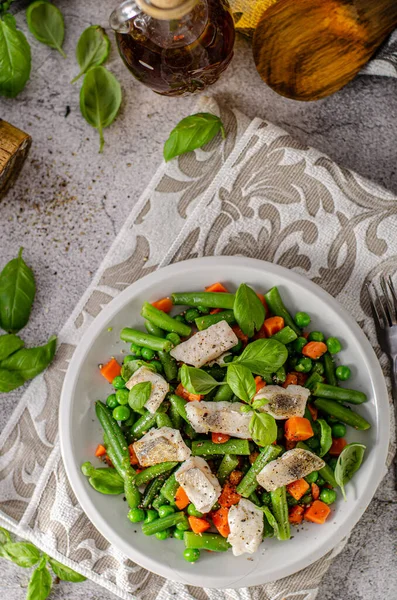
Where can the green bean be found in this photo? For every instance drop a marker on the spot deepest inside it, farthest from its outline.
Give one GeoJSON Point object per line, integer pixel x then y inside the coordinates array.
{"type": "Point", "coordinates": [154, 471]}
{"type": "Point", "coordinates": [249, 483]}
{"type": "Point", "coordinates": [342, 413]}
{"type": "Point", "coordinates": [268, 530]}
{"type": "Point", "coordinates": [326, 472]}
{"type": "Point", "coordinates": [143, 424]}
{"type": "Point", "coordinates": [206, 541]}
{"type": "Point", "coordinates": [285, 335]}
{"type": "Point", "coordinates": [255, 498]}
{"type": "Point", "coordinates": [153, 489]}
{"type": "Point", "coordinates": [163, 420]}
{"type": "Point", "coordinates": [164, 321]}
{"type": "Point", "coordinates": [145, 339]}
{"type": "Point", "coordinates": [205, 321]}
{"type": "Point", "coordinates": [159, 501]}
{"type": "Point", "coordinates": [312, 380]}
{"type": "Point", "coordinates": [163, 523]}
{"type": "Point", "coordinates": [281, 375]}
{"type": "Point", "coordinates": [223, 393]}
{"type": "Point", "coordinates": [169, 364]}
{"type": "Point", "coordinates": [154, 330]}
{"type": "Point", "coordinates": [232, 446]}
{"type": "Point", "coordinates": [175, 417]}
{"type": "Point", "coordinates": [190, 432]}
{"type": "Point", "coordinates": [331, 392]}
{"type": "Point", "coordinates": [228, 464]}
{"type": "Point", "coordinates": [277, 307]}
{"type": "Point", "coordinates": [179, 404]}
{"type": "Point", "coordinates": [210, 299]}
{"type": "Point", "coordinates": [113, 432]}
{"type": "Point", "coordinates": [132, 494]}
{"type": "Point", "coordinates": [280, 512]}
{"type": "Point", "coordinates": [169, 489]}
{"type": "Point", "coordinates": [329, 369]}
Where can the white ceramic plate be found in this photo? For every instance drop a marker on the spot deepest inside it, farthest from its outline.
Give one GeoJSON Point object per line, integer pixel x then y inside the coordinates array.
{"type": "Point", "coordinates": [80, 432]}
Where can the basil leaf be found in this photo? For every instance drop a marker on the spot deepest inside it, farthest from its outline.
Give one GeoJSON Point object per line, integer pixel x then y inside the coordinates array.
{"type": "Point", "coordinates": [45, 22]}
{"type": "Point", "coordinates": [65, 573]}
{"type": "Point", "coordinates": [349, 462]}
{"type": "Point", "coordinates": [40, 584]}
{"type": "Point", "coordinates": [92, 49]}
{"type": "Point", "coordinates": [263, 356]}
{"type": "Point", "coordinates": [10, 380]}
{"type": "Point", "coordinates": [325, 437]}
{"type": "Point", "coordinates": [248, 310]}
{"type": "Point", "coordinates": [100, 99]}
{"type": "Point", "coordinates": [132, 366]}
{"type": "Point", "coordinates": [139, 395]}
{"type": "Point", "coordinates": [197, 381]}
{"type": "Point", "coordinates": [271, 520]}
{"type": "Point", "coordinates": [191, 133]}
{"type": "Point", "coordinates": [29, 362]}
{"type": "Point", "coordinates": [17, 290]}
{"type": "Point", "coordinates": [241, 381]}
{"type": "Point", "coordinates": [263, 429]}
{"type": "Point", "coordinates": [15, 58]}
{"type": "Point", "coordinates": [9, 343]}
{"type": "Point", "coordinates": [5, 536]}
{"type": "Point", "coordinates": [106, 481]}
{"type": "Point", "coordinates": [22, 554]}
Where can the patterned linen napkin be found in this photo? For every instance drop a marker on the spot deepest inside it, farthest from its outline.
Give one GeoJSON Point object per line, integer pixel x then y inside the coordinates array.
{"type": "Point", "coordinates": [259, 193]}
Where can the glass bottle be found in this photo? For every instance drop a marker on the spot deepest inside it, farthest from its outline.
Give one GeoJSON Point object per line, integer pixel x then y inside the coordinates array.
{"type": "Point", "coordinates": [175, 47]}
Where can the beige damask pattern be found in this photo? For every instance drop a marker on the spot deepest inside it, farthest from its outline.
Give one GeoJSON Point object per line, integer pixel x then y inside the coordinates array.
{"type": "Point", "coordinates": [259, 193]}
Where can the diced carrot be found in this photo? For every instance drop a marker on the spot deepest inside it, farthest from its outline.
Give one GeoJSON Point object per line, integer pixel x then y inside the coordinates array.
{"type": "Point", "coordinates": [219, 438]}
{"type": "Point", "coordinates": [273, 325]}
{"type": "Point", "coordinates": [198, 524]}
{"type": "Point", "coordinates": [259, 383]}
{"type": "Point", "coordinates": [291, 379]}
{"type": "Point", "coordinates": [216, 287]}
{"type": "Point", "coordinates": [108, 461]}
{"type": "Point", "coordinates": [229, 496]}
{"type": "Point", "coordinates": [298, 429]}
{"type": "Point", "coordinates": [215, 311]}
{"type": "Point", "coordinates": [305, 334]}
{"type": "Point", "coordinates": [289, 445]}
{"type": "Point", "coordinates": [314, 350]}
{"type": "Point", "coordinates": [111, 370]}
{"type": "Point", "coordinates": [313, 411]}
{"type": "Point", "coordinates": [295, 515]}
{"type": "Point", "coordinates": [220, 520]}
{"type": "Point", "coordinates": [241, 336]}
{"type": "Point", "coordinates": [301, 378]}
{"type": "Point", "coordinates": [298, 488]}
{"type": "Point", "coordinates": [100, 451]}
{"type": "Point", "coordinates": [263, 300]}
{"type": "Point", "coordinates": [315, 491]}
{"type": "Point", "coordinates": [133, 457]}
{"type": "Point", "coordinates": [183, 393]}
{"type": "Point", "coordinates": [164, 304]}
{"type": "Point", "coordinates": [317, 512]}
{"type": "Point", "coordinates": [337, 446]}
{"type": "Point", "coordinates": [181, 498]}
{"type": "Point", "coordinates": [253, 456]}
{"type": "Point", "coordinates": [235, 477]}
{"type": "Point", "coordinates": [261, 334]}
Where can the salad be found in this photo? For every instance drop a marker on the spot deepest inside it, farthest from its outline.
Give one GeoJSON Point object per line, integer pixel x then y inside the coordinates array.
{"type": "Point", "coordinates": [227, 421]}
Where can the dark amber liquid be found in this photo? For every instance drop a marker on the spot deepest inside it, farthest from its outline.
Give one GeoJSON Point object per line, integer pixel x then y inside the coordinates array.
{"type": "Point", "coordinates": [174, 60]}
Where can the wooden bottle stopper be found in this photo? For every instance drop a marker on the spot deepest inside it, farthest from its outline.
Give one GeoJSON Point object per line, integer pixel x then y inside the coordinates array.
{"type": "Point", "coordinates": [14, 147]}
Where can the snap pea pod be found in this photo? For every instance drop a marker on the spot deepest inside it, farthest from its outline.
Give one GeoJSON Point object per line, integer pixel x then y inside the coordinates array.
{"type": "Point", "coordinates": [232, 446]}
{"type": "Point", "coordinates": [286, 335]}
{"type": "Point", "coordinates": [154, 471]}
{"type": "Point", "coordinates": [331, 392]}
{"type": "Point", "coordinates": [228, 464]}
{"type": "Point", "coordinates": [326, 472]}
{"type": "Point", "coordinates": [329, 369]}
{"type": "Point", "coordinates": [280, 512]}
{"type": "Point", "coordinates": [146, 340]}
{"type": "Point", "coordinates": [175, 417]}
{"type": "Point", "coordinates": [163, 523]}
{"type": "Point", "coordinates": [153, 489]}
{"type": "Point", "coordinates": [179, 404]}
{"type": "Point", "coordinates": [163, 420]}
{"type": "Point", "coordinates": [190, 432]}
{"type": "Point", "coordinates": [154, 330]}
{"type": "Point", "coordinates": [170, 488]}
{"type": "Point", "coordinates": [205, 321]}
{"type": "Point", "coordinates": [248, 484]}
{"type": "Point", "coordinates": [164, 321]}
{"type": "Point", "coordinates": [169, 364]}
{"type": "Point", "coordinates": [312, 380]}
{"type": "Point", "coordinates": [210, 299]}
{"type": "Point", "coordinates": [142, 425]}
{"type": "Point", "coordinates": [277, 307]}
{"type": "Point", "coordinates": [224, 393]}
{"type": "Point", "coordinates": [206, 541]}
{"type": "Point", "coordinates": [342, 413]}
{"type": "Point", "coordinates": [159, 501]}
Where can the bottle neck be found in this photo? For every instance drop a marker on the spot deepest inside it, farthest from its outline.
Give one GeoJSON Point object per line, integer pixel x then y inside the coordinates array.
{"type": "Point", "coordinates": [166, 10]}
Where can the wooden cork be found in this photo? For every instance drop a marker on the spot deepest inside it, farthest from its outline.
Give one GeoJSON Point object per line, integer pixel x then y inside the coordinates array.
{"type": "Point", "coordinates": [14, 147]}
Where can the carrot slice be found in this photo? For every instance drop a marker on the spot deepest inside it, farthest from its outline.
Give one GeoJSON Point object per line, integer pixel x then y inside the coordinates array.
{"type": "Point", "coordinates": [291, 379]}
{"type": "Point", "coordinates": [164, 304]}
{"type": "Point", "coordinates": [313, 411]}
{"type": "Point", "coordinates": [216, 287]}
{"type": "Point", "coordinates": [181, 498]}
{"type": "Point", "coordinates": [111, 370]}
{"type": "Point", "coordinates": [220, 520]}
{"type": "Point", "coordinates": [289, 445]}
{"type": "Point", "coordinates": [183, 393]}
{"type": "Point", "coordinates": [100, 451]}
{"type": "Point", "coordinates": [198, 524]}
{"type": "Point", "coordinates": [133, 457]}
{"type": "Point", "coordinates": [108, 461]}
{"type": "Point", "coordinates": [318, 512]}
{"type": "Point", "coordinates": [241, 336]}
{"type": "Point", "coordinates": [298, 429]}
{"type": "Point", "coordinates": [215, 311]}
{"type": "Point", "coordinates": [273, 325]}
{"type": "Point", "coordinates": [259, 383]}
{"type": "Point", "coordinates": [314, 350]}
{"type": "Point", "coordinates": [229, 496]}
{"type": "Point", "coordinates": [219, 438]}
{"type": "Point", "coordinates": [315, 491]}
{"type": "Point", "coordinates": [295, 515]}
{"type": "Point", "coordinates": [298, 488]}
{"type": "Point", "coordinates": [337, 446]}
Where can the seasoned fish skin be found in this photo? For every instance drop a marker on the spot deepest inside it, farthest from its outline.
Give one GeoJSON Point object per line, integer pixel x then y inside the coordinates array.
{"type": "Point", "coordinates": [292, 465]}
{"type": "Point", "coordinates": [160, 387]}
{"type": "Point", "coordinates": [200, 484]}
{"type": "Point", "coordinates": [161, 445]}
{"type": "Point", "coordinates": [220, 417]}
{"type": "Point", "coordinates": [246, 527]}
{"type": "Point", "coordinates": [284, 403]}
{"type": "Point", "coordinates": [206, 345]}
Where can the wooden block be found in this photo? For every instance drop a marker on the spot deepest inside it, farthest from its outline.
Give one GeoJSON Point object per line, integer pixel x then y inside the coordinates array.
{"type": "Point", "coordinates": [14, 147]}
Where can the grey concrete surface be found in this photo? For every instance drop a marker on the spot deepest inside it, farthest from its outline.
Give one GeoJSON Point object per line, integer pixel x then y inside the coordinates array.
{"type": "Point", "coordinates": [70, 202]}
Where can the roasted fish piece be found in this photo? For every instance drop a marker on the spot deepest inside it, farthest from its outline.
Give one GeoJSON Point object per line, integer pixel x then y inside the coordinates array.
{"type": "Point", "coordinates": [206, 345]}
{"type": "Point", "coordinates": [160, 387]}
{"type": "Point", "coordinates": [284, 402]}
{"type": "Point", "coordinates": [201, 486]}
{"type": "Point", "coordinates": [246, 527]}
{"type": "Point", "coordinates": [292, 465]}
{"type": "Point", "coordinates": [161, 445]}
{"type": "Point", "coordinates": [220, 417]}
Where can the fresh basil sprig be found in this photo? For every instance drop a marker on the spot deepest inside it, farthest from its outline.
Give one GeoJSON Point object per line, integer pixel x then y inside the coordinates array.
{"type": "Point", "coordinates": [241, 381]}
{"type": "Point", "coordinates": [197, 381]}
{"type": "Point", "coordinates": [40, 583]}
{"type": "Point", "coordinates": [92, 49]}
{"type": "Point", "coordinates": [263, 428]}
{"type": "Point", "coordinates": [29, 362]}
{"type": "Point", "coordinates": [10, 380]}
{"type": "Point", "coordinates": [17, 291]}
{"type": "Point", "coordinates": [139, 395]}
{"type": "Point", "coordinates": [325, 436]}
{"type": "Point", "coordinates": [15, 58]}
{"type": "Point", "coordinates": [9, 343]}
{"type": "Point", "coordinates": [45, 22]}
{"type": "Point", "coordinates": [65, 573]}
{"type": "Point", "coordinates": [107, 481]}
{"type": "Point", "coordinates": [191, 133]}
{"type": "Point", "coordinates": [263, 356]}
{"type": "Point", "coordinates": [349, 462]}
{"type": "Point", "coordinates": [248, 310]}
{"type": "Point", "coordinates": [23, 554]}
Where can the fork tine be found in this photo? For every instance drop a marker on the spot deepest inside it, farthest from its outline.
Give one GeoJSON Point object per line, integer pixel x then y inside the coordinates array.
{"type": "Point", "coordinates": [377, 319]}
{"type": "Point", "coordinates": [393, 294]}
{"type": "Point", "coordinates": [387, 306]}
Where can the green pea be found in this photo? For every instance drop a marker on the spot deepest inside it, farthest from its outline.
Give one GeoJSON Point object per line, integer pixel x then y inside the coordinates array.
{"type": "Point", "coordinates": [157, 365]}
{"type": "Point", "coordinates": [228, 358]}
{"type": "Point", "coordinates": [174, 338]}
{"type": "Point", "coordinates": [312, 477]}
{"type": "Point", "coordinates": [118, 383]}
{"type": "Point", "coordinates": [328, 496]}
{"type": "Point", "coordinates": [307, 499]}
{"type": "Point", "coordinates": [180, 318]}
{"type": "Point", "coordinates": [343, 373]}
{"type": "Point", "coordinates": [191, 554]}
{"type": "Point", "coordinates": [111, 401]}
{"type": "Point", "coordinates": [266, 498]}
{"type": "Point", "coordinates": [237, 348]}
{"type": "Point", "coordinates": [338, 430]}
{"type": "Point", "coordinates": [291, 500]}
{"type": "Point", "coordinates": [163, 535]}
{"type": "Point", "coordinates": [303, 365]}
{"type": "Point", "coordinates": [193, 512]}
{"type": "Point", "coordinates": [136, 350]}
{"type": "Point", "coordinates": [302, 319]}
{"type": "Point", "coordinates": [178, 534]}
{"type": "Point", "coordinates": [147, 353]}
{"type": "Point", "coordinates": [191, 314]}
{"type": "Point", "coordinates": [316, 336]}
{"type": "Point", "coordinates": [332, 462]}
{"type": "Point", "coordinates": [298, 344]}
{"type": "Point", "coordinates": [121, 413]}
{"type": "Point", "coordinates": [313, 443]}
{"type": "Point", "coordinates": [122, 396]}
{"type": "Point", "coordinates": [151, 515]}
{"type": "Point", "coordinates": [129, 358]}
{"type": "Point", "coordinates": [183, 525]}
{"type": "Point", "coordinates": [320, 481]}
{"type": "Point", "coordinates": [204, 310]}
{"type": "Point", "coordinates": [136, 515]}
{"type": "Point", "coordinates": [334, 346]}
{"type": "Point", "coordinates": [165, 510]}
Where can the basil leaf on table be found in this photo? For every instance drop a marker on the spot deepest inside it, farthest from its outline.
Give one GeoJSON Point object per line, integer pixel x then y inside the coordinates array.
{"type": "Point", "coordinates": [263, 429]}
{"type": "Point", "coordinates": [92, 49]}
{"type": "Point", "coordinates": [45, 22]}
{"type": "Point", "coordinates": [9, 343]}
{"type": "Point", "coordinates": [15, 58]}
{"type": "Point", "coordinates": [100, 99]}
{"type": "Point", "coordinates": [263, 356]}
{"type": "Point", "coordinates": [241, 381]}
{"type": "Point", "coordinates": [248, 310]}
{"type": "Point", "coordinates": [139, 395]}
{"type": "Point", "coordinates": [325, 437]}
{"type": "Point", "coordinates": [10, 380]}
{"type": "Point", "coordinates": [65, 573]}
{"type": "Point", "coordinates": [40, 584]}
{"type": "Point", "coordinates": [197, 381]}
{"type": "Point", "coordinates": [22, 554]}
{"type": "Point", "coordinates": [349, 462]}
{"type": "Point", "coordinates": [4, 536]}
{"type": "Point", "coordinates": [106, 481]}
{"type": "Point", "coordinates": [29, 362]}
{"type": "Point", "coordinates": [191, 133]}
{"type": "Point", "coordinates": [17, 291]}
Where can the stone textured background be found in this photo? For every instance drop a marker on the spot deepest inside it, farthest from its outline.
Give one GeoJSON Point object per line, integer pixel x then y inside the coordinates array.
{"type": "Point", "coordinates": [70, 202]}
